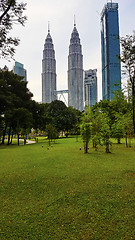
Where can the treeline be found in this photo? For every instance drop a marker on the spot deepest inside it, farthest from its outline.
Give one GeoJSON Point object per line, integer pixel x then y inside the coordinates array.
{"type": "Point", "coordinates": [106, 120]}
{"type": "Point", "coordinates": [19, 113]}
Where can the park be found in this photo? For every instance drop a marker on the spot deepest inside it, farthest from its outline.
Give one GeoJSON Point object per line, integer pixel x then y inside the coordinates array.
{"type": "Point", "coordinates": [58, 192]}
{"type": "Point", "coordinates": [67, 172]}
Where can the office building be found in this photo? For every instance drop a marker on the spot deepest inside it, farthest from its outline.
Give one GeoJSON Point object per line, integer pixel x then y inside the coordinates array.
{"type": "Point", "coordinates": [90, 87]}
{"type": "Point", "coordinates": [48, 71]}
{"type": "Point", "coordinates": [19, 70]}
{"type": "Point", "coordinates": [75, 72]}
{"type": "Point", "coordinates": [110, 47]}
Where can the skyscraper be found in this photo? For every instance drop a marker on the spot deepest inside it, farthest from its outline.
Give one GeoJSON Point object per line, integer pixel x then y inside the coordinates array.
{"type": "Point", "coordinates": [48, 71]}
{"type": "Point", "coordinates": [75, 72]}
{"type": "Point", "coordinates": [19, 70]}
{"type": "Point", "coordinates": [90, 87]}
{"type": "Point", "coordinates": [110, 47]}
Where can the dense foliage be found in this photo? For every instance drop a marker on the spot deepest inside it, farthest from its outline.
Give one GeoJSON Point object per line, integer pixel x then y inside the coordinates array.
{"type": "Point", "coordinates": [109, 119]}
{"type": "Point", "coordinates": [19, 113]}
{"type": "Point", "coordinates": [128, 59]}
{"type": "Point", "coordinates": [11, 12]}
{"type": "Point", "coordinates": [15, 100]}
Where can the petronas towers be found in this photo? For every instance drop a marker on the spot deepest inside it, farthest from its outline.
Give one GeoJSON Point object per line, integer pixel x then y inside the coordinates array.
{"type": "Point", "coordinates": [48, 71]}
{"type": "Point", "coordinates": [75, 72]}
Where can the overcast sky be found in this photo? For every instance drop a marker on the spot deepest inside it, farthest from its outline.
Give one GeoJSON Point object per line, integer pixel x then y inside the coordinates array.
{"type": "Point", "coordinates": [60, 14]}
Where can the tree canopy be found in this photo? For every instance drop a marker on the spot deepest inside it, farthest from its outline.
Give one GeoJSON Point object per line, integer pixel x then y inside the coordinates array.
{"type": "Point", "coordinates": [128, 59]}
{"type": "Point", "coordinates": [15, 99]}
{"type": "Point", "coordinates": [11, 12]}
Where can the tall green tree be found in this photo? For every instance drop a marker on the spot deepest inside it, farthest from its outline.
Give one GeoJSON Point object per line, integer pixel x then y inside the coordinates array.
{"type": "Point", "coordinates": [105, 106]}
{"type": "Point", "coordinates": [128, 59]}
{"type": "Point", "coordinates": [51, 132]}
{"type": "Point", "coordinates": [58, 112]}
{"type": "Point", "coordinates": [117, 127]}
{"type": "Point", "coordinates": [40, 115]}
{"type": "Point", "coordinates": [72, 118]}
{"type": "Point", "coordinates": [86, 129]}
{"type": "Point", "coordinates": [105, 131]}
{"type": "Point", "coordinates": [22, 120]}
{"type": "Point", "coordinates": [96, 126]}
{"type": "Point", "coordinates": [14, 94]}
{"type": "Point", "coordinates": [121, 107]}
{"type": "Point", "coordinates": [11, 12]}
{"type": "Point", "coordinates": [128, 127]}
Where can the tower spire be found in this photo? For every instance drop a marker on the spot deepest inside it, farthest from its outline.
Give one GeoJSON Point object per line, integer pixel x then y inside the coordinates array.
{"type": "Point", "coordinates": [48, 26]}
{"type": "Point", "coordinates": [74, 21]}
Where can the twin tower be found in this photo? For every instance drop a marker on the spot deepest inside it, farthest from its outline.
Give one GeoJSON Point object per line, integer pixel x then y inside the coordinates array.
{"type": "Point", "coordinates": [75, 72]}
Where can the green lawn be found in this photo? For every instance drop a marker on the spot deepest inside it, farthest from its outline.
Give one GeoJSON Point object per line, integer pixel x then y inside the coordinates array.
{"type": "Point", "coordinates": [62, 193]}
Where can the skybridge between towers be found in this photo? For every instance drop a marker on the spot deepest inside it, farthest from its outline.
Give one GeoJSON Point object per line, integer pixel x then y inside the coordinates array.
{"type": "Point", "coordinates": [62, 94]}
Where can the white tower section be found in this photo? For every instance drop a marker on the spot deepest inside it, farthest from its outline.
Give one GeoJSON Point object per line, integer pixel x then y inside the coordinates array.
{"type": "Point", "coordinates": [48, 71]}
{"type": "Point", "coordinates": [75, 72]}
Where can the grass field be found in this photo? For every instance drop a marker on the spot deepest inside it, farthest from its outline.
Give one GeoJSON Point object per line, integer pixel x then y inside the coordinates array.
{"type": "Point", "coordinates": [62, 193]}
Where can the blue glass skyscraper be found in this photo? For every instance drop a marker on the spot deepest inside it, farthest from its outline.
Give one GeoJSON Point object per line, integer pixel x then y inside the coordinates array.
{"type": "Point", "coordinates": [110, 47]}
{"type": "Point", "coordinates": [19, 70]}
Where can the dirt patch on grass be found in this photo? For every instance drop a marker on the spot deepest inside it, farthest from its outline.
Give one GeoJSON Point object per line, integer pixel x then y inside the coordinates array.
{"type": "Point", "coordinates": [131, 174]}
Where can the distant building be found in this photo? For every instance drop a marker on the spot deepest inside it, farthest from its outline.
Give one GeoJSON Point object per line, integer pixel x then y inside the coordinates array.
{"type": "Point", "coordinates": [90, 87]}
{"type": "Point", "coordinates": [19, 70]}
{"type": "Point", "coordinates": [75, 72]}
{"type": "Point", "coordinates": [48, 71]}
{"type": "Point", "coordinates": [110, 46]}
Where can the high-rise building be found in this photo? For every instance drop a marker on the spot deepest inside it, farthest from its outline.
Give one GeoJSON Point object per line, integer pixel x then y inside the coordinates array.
{"type": "Point", "coordinates": [90, 87]}
{"type": "Point", "coordinates": [19, 70]}
{"type": "Point", "coordinates": [75, 72]}
{"type": "Point", "coordinates": [110, 46]}
{"type": "Point", "coordinates": [48, 71]}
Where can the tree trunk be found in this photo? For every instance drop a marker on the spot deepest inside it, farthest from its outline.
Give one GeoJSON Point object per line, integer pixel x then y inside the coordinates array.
{"type": "Point", "coordinates": [49, 142]}
{"type": "Point", "coordinates": [126, 140]}
{"type": "Point", "coordinates": [18, 138]}
{"type": "Point", "coordinates": [95, 146]}
{"type": "Point", "coordinates": [86, 147]}
{"type": "Point", "coordinates": [107, 145]}
{"type": "Point", "coordinates": [4, 133]}
{"type": "Point", "coordinates": [130, 140]}
{"type": "Point", "coordinates": [133, 102]}
{"type": "Point", "coordinates": [9, 136]}
{"type": "Point", "coordinates": [93, 143]}
{"type": "Point", "coordinates": [118, 140]}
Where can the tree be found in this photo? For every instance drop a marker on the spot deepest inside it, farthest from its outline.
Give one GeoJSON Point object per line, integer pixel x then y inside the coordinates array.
{"type": "Point", "coordinates": [121, 107]}
{"type": "Point", "coordinates": [105, 131]}
{"type": "Point", "coordinates": [71, 119]}
{"type": "Point", "coordinates": [57, 111]}
{"type": "Point", "coordinates": [96, 126]}
{"type": "Point", "coordinates": [105, 106]}
{"type": "Point", "coordinates": [22, 120]}
{"type": "Point", "coordinates": [118, 127]}
{"type": "Point", "coordinates": [11, 12]}
{"type": "Point", "coordinates": [86, 129]}
{"type": "Point", "coordinates": [40, 115]}
{"type": "Point", "coordinates": [128, 59]}
{"type": "Point", "coordinates": [119, 103]}
{"type": "Point", "coordinates": [51, 132]}
{"type": "Point", "coordinates": [14, 95]}
{"type": "Point", "coordinates": [128, 127]}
